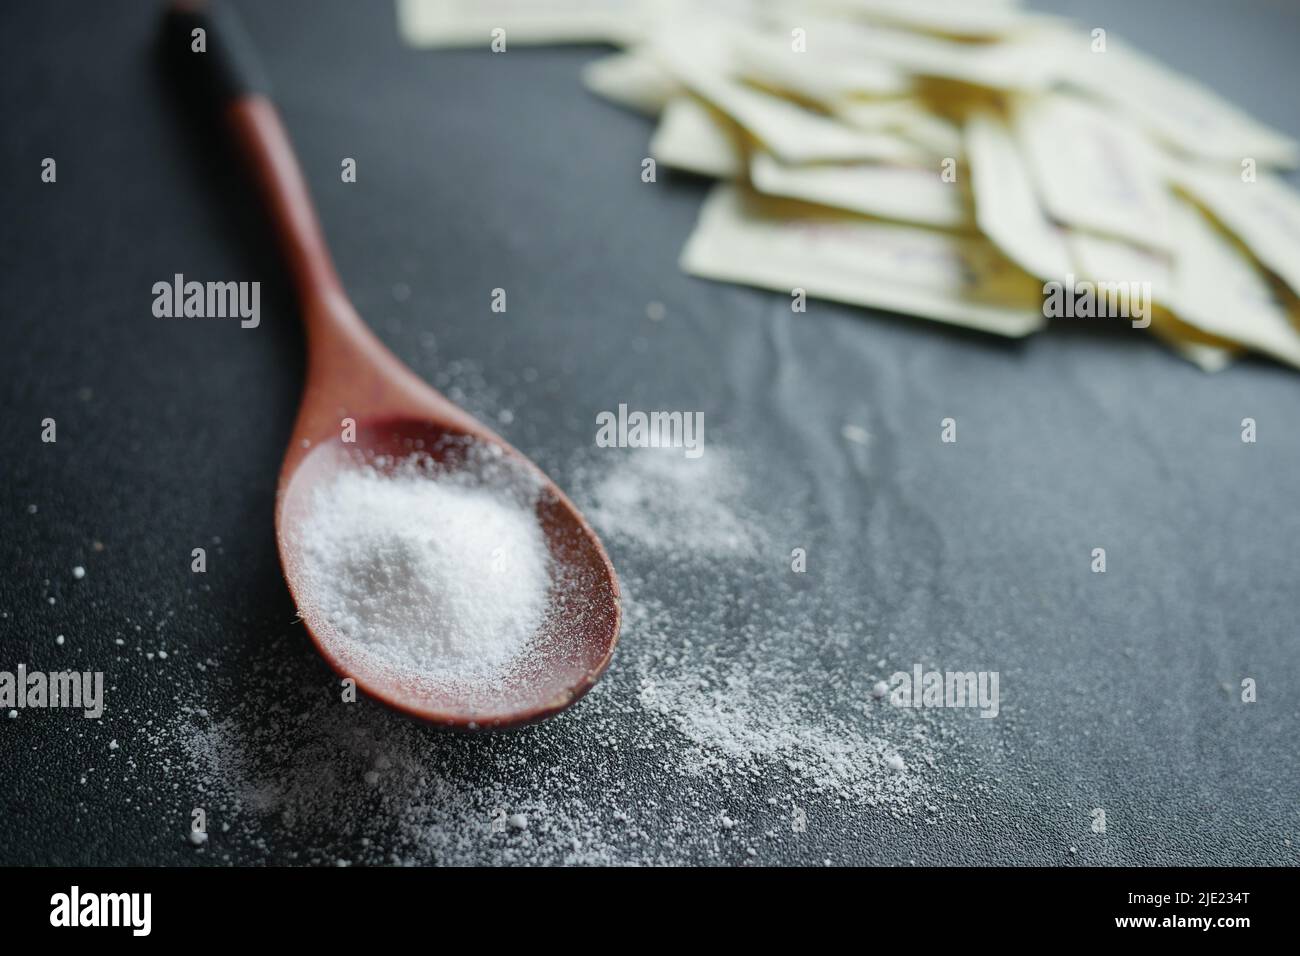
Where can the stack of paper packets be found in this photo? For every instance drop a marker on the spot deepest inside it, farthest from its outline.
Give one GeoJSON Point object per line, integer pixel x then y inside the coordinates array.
{"type": "Point", "coordinates": [968, 161]}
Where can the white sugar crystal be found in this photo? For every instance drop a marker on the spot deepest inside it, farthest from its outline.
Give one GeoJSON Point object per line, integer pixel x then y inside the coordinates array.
{"type": "Point", "coordinates": [425, 575]}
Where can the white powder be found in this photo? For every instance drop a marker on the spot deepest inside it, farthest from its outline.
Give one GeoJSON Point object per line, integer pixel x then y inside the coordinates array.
{"type": "Point", "coordinates": [424, 574]}
{"type": "Point", "coordinates": [662, 501]}
{"type": "Point", "coordinates": [736, 708]}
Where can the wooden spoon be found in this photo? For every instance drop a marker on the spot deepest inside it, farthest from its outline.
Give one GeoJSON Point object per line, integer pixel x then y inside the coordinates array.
{"type": "Point", "coordinates": [351, 375]}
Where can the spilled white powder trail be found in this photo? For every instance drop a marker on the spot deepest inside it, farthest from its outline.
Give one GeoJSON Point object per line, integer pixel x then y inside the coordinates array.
{"type": "Point", "coordinates": [763, 747]}
{"type": "Point", "coordinates": [662, 501]}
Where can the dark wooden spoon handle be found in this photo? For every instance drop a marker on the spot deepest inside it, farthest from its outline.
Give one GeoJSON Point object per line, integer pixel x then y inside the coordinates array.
{"type": "Point", "coordinates": [350, 372]}
{"type": "Point", "coordinates": [213, 54]}
{"type": "Point", "coordinates": [269, 157]}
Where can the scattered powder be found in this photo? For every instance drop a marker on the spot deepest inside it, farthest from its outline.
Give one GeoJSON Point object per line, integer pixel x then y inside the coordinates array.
{"type": "Point", "coordinates": [728, 717]}
{"type": "Point", "coordinates": [856, 434]}
{"type": "Point", "coordinates": [724, 704]}
{"type": "Point", "coordinates": [754, 719]}
{"type": "Point", "coordinates": [426, 575]}
{"type": "Point", "coordinates": [663, 501]}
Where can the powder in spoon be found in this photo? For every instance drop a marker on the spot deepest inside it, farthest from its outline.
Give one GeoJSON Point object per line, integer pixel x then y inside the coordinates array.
{"type": "Point", "coordinates": [425, 573]}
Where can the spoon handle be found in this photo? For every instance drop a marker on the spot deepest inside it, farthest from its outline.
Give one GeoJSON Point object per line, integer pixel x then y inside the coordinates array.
{"type": "Point", "coordinates": [350, 373]}
{"type": "Point", "coordinates": [210, 47]}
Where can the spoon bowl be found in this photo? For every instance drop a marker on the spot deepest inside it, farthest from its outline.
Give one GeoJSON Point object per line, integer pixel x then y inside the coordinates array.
{"type": "Point", "coordinates": [581, 623]}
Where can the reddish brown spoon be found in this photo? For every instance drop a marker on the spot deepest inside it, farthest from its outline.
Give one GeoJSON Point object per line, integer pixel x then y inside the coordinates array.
{"type": "Point", "coordinates": [351, 375]}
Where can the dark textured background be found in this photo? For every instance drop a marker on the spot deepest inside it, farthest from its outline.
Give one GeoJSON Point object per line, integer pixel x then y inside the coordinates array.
{"type": "Point", "coordinates": [479, 171]}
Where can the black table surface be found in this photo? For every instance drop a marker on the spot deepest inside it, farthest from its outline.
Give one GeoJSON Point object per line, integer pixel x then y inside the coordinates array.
{"type": "Point", "coordinates": [1120, 691]}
